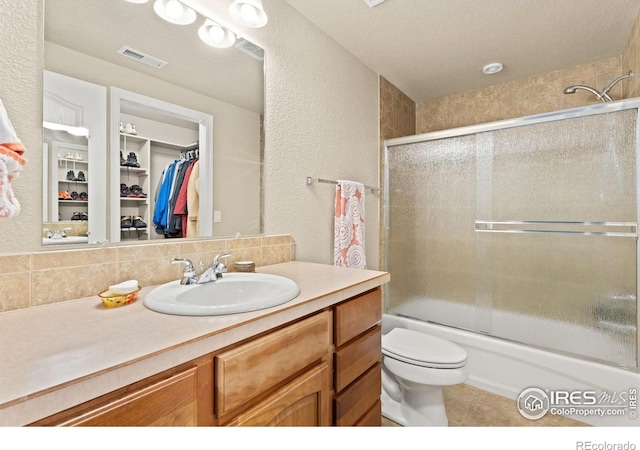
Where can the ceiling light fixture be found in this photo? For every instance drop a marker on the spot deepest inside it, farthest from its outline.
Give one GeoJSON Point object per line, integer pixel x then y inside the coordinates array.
{"type": "Point", "coordinates": [249, 13]}
{"type": "Point", "coordinates": [216, 35]}
{"type": "Point", "coordinates": [175, 12]}
{"type": "Point", "coordinates": [492, 68]}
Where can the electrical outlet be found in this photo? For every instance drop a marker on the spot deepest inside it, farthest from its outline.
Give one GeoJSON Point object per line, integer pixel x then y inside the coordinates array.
{"type": "Point", "coordinates": [217, 216]}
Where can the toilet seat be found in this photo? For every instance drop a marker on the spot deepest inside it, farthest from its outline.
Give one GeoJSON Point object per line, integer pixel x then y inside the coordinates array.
{"type": "Point", "coordinates": [423, 350]}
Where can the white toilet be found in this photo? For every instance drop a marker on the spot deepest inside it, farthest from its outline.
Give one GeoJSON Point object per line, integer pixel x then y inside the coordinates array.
{"type": "Point", "coordinates": [415, 366]}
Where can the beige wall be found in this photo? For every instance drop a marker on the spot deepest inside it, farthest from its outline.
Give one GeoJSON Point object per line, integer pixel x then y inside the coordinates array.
{"type": "Point", "coordinates": [318, 123]}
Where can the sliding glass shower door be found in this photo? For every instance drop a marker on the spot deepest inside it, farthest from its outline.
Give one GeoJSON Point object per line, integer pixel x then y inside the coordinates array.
{"type": "Point", "coordinates": [526, 233]}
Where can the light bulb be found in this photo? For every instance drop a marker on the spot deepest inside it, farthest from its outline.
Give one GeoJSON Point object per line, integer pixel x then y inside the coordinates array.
{"type": "Point", "coordinates": [216, 34]}
{"type": "Point", "coordinates": [174, 9]}
{"type": "Point", "coordinates": [248, 13]}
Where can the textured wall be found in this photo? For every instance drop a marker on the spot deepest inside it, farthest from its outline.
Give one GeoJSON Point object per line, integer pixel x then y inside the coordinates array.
{"type": "Point", "coordinates": [321, 120]}
{"type": "Point", "coordinates": [21, 93]}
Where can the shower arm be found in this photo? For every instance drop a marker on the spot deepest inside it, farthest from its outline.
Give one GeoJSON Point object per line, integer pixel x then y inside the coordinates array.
{"type": "Point", "coordinates": [614, 82]}
{"type": "Point", "coordinates": [603, 97]}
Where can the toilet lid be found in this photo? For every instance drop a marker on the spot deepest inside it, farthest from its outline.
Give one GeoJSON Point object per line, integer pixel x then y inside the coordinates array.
{"type": "Point", "coordinates": [422, 349]}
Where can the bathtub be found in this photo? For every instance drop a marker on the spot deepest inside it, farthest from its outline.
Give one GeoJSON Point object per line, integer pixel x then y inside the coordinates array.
{"type": "Point", "coordinates": [507, 368]}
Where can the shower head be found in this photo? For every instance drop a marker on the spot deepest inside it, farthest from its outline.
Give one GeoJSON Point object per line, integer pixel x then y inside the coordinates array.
{"type": "Point", "coordinates": [602, 96]}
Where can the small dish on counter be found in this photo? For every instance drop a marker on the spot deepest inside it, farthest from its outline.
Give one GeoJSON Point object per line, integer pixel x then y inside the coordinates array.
{"type": "Point", "coordinates": [111, 299]}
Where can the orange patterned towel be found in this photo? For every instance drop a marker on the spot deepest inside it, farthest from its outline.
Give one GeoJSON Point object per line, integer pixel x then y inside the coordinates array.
{"type": "Point", "coordinates": [11, 162]}
{"type": "Point", "coordinates": [348, 244]}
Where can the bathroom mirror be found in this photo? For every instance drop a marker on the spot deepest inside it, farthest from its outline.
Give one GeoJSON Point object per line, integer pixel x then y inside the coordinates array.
{"type": "Point", "coordinates": [82, 40]}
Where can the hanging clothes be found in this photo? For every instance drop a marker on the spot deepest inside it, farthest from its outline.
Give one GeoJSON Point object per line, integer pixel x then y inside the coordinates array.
{"type": "Point", "coordinates": [193, 201]}
{"type": "Point", "coordinates": [181, 210]}
{"type": "Point", "coordinates": [174, 180]}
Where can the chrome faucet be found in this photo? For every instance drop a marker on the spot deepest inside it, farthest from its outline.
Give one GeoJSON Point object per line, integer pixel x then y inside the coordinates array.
{"type": "Point", "coordinates": [212, 273]}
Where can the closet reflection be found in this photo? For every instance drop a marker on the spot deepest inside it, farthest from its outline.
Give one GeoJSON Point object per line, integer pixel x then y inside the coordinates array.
{"type": "Point", "coordinates": [159, 176]}
{"type": "Point", "coordinates": [66, 199]}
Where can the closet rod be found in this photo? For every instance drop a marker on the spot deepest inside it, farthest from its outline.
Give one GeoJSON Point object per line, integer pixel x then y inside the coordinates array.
{"type": "Point", "coordinates": [322, 180]}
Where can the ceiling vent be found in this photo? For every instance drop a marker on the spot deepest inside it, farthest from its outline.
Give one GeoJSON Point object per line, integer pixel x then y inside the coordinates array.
{"type": "Point", "coordinates": [251, 49]}
{"type": "Point", "coordinates": [373, 3]}
{"type": "Point", "coordinates": [141, 57]}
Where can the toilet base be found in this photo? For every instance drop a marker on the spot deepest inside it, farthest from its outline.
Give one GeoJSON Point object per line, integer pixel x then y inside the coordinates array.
{"type": "Point", "coordinates": [409, 416]}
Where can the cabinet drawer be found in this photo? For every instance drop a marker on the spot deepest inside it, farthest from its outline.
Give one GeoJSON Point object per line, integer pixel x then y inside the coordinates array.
{"type": "Point", "coordinates": [170, 402]}
{"type": "Point", "coordinates": [360, 396]}
{"type": "Point", "coordinates": [247, 371]}
{"type": "Point", "coordinates": [355, 358]}
{"type": "Point", "coordinates": [356, 316]}
{"type": "Point", "coordinates": [373, 418]}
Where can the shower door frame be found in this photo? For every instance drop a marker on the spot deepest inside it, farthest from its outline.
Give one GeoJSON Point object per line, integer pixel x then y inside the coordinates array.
{"type": "Point", "coordinates": [601, 108]}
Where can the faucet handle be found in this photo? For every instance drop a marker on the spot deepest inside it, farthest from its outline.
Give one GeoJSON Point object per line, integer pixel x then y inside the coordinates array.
{"type": "Point", "coordinates": [221, 255]}
{"type": "Point", "coordinates": [189, 270]}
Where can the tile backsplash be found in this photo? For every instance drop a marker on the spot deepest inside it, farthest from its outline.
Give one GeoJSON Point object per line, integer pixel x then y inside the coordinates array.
{"type": "Point", "coordinates": [32, 279]}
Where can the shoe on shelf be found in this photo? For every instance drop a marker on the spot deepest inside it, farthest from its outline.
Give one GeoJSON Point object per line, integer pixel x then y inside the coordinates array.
{"type": "Point", "coordinates": [124, 190]}
{"type": "Point", "coordinates": [69, 155]}
{"type": "Point", "coordinates": [130, 129]}
{"type": "Point", "coordinates": [84, 216]}
{"type": "Point", "coordinates": [76, 216]}
{"type": "Point", "coordinates": [122, 160]}
{"type": "Point", "coordinates": [138, 222]}
{"type": "Point", "coordinates": [125, 222]}
{"type": "Point", "coordinates": [81, 177]}
{"type": "Point", "coordinates": [132, 160]}
{"type": "Point", "coordinates": [78, 157]}
{"type": "Point", "coordinates": [74, 195]}
{"type": "Point", "coordinates": [71, 176]}
{"type": "Point", "coordinates": [64, 195]}
{"type": "Point", "coordinates": [137, 191]}
{"type": "Point", "coordinates": [83, 196]}
{"type": "Point", "coordinates": [121, 128]}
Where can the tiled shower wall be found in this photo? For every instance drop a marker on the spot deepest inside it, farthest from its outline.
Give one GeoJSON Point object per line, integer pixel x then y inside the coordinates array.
{"type": "Point", "coordinates": [397, 119]}
{"type": "Point", "coordinates": [39, 278]}
{"type": "Point", "coordinates": [527, 96]}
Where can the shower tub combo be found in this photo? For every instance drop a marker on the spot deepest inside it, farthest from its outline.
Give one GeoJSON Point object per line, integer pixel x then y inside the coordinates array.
{"type": "Point", "coordinates": [517, 240]}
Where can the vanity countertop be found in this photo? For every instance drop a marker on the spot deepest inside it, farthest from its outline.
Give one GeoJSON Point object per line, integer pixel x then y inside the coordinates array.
{"type": "Point", "coordinates": [60, 355]}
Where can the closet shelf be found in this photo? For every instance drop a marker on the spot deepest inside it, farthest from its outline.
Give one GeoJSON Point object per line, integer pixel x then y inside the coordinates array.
{"type": "Point", "coordinates": [136, 170]}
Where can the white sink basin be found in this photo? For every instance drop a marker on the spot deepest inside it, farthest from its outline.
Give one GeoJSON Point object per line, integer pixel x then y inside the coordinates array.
{"type": "Point", "coordinates": [65, 240]}
{"type": "Point", "coordinates": [231, 294]}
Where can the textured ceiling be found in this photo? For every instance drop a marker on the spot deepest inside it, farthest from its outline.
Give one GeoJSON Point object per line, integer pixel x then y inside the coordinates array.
{"type": "Point", "coordinates": [433, 48]}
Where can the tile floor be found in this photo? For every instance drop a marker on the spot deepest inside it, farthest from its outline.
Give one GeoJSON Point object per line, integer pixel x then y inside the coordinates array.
{"type": "Point", "coordinates": [468, 406]}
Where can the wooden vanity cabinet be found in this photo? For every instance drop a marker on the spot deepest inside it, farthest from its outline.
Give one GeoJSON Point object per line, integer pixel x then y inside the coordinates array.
{"type": "Point", "coordinates": [320, 370]}
{"type": "Point", "coordinates": [357, 376]}
{"type": "Point", "coordinates": [167, 399]}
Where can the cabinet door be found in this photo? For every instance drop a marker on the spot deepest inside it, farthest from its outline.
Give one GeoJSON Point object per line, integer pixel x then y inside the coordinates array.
{"type": "Point", "coordinates": [251, 370]}
{"type": "Point", "coordinates": [303, 402]}
{"type": "Point", "coordinates": [170, 402]}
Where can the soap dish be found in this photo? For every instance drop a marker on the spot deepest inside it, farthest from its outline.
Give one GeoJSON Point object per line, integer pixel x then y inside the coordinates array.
{"type": "Point", "coordinates": [110, 300]}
